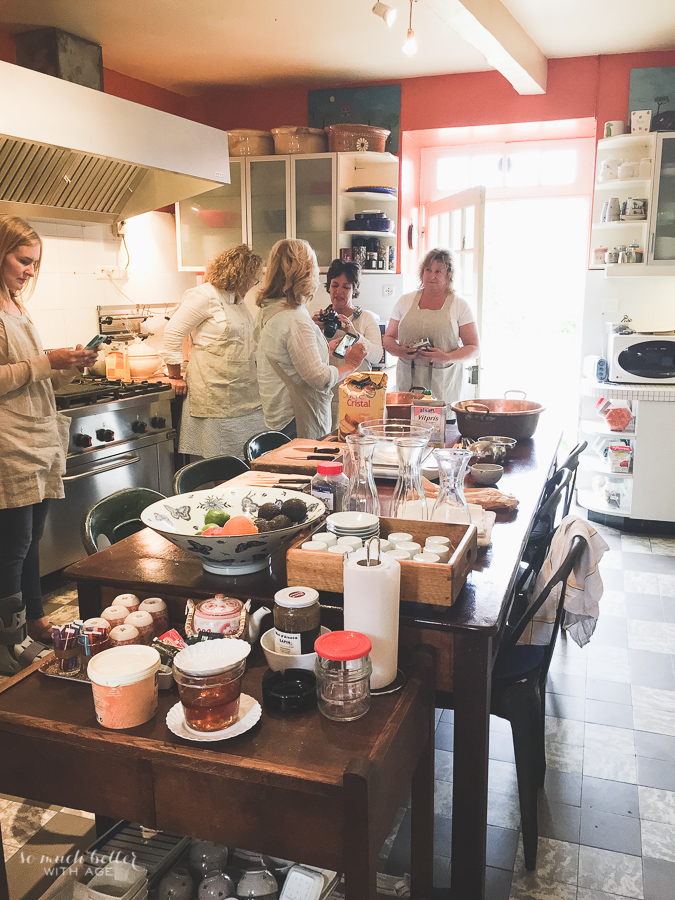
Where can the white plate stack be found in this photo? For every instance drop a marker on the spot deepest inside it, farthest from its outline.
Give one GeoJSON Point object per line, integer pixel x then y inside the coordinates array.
{"type": "Point", "coordinates": [353, 524]}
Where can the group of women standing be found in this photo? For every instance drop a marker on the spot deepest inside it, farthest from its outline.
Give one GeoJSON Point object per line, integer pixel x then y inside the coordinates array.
{"type": "Point", "coordinates": [279, 372]}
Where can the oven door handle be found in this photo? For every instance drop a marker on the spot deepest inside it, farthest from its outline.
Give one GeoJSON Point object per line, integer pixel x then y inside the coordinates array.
{"type": "Point", "coordinates": [125, 460]}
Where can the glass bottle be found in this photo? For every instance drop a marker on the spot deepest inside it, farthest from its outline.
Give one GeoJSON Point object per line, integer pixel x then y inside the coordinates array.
{"type": "Point", "coordinates": [450, 505]}
{"type": "Point", "coordinates": [343, 669]}
{"type": "Point", "coordinates": [330, 485]}
{"type": "Point", "coordinates": [362, 493]}
{"type": "Point", "coordinates": [408, 500]}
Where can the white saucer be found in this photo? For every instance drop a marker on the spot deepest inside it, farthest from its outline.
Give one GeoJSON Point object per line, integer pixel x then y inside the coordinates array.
{"type": "Point", "coordinates": [249, 713]}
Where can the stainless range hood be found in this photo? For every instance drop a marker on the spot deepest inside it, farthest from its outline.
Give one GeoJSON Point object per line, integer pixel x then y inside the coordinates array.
{"type": "Point", "coordinates": [70, 152]}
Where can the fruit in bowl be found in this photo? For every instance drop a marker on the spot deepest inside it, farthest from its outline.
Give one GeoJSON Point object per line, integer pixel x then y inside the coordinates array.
{"type": "Point", "coordinates": [246, 539]}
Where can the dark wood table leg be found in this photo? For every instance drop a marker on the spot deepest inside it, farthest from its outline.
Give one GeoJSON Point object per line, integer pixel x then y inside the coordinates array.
{"type": "Point", "coordinates": [422, 824]}
{"type": "Point", "coordinates": [472, 661]}
{"type": "Point", "coordinates": [89, 600]}
{"type": "Point", "coordinates": [360, 857]}
{"type": "Point", "coordinates": [4, 887]}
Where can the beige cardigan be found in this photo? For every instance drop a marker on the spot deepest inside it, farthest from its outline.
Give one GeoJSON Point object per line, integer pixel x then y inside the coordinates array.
{"type": "Point", "coordinates": [33, 435]}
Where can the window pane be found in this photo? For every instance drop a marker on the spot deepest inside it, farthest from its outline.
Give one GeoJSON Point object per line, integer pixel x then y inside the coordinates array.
{"type": "Point", "coordinates": [486, 170]}
{"type": "Point", "coordinates": [444, 232]}
{"type": "Point", "coordinates": [432, 232]}
{"type": "Point", "coordinates": [454, 241]}
{"type": "Point", "coordinates": [469, 226]}
{"type": "Point", "coordinates": [453, 173]}
{"type": "Point", "coordinates": [559, 166]}
{"type": "Point", "coordinates": [523, 168]}
{"type": "Point", "coordinates": [467, 288]}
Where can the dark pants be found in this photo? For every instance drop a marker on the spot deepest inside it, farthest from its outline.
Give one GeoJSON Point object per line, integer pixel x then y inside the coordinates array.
{"type": "Point", "coordinates": [20, 531]}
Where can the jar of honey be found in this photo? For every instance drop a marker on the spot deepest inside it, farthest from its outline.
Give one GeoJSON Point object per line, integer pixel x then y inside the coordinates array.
{"type": "Point", "coordinates": [297, 620]}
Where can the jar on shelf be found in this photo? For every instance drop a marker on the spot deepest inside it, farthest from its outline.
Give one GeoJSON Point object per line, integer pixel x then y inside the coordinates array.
{"type": "Point", "coordinates": [612, 256]}
{"type": "Point", "coordinates": [343, 669]}
{"type": "Point", "coordinates": [330, 485]}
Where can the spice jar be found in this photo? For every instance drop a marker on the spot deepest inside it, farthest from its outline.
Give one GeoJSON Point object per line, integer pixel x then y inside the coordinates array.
{"type": "Point", "coordinates": [297, 620]}
{"type": "Point", "coordinates": [330, 485]}
{"type": "Point", "coordinates": [343, 671]}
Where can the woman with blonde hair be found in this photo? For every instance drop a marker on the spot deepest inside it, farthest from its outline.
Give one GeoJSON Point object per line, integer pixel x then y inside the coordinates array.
{"type": "Point", "coordinates": [436, 315]}
{"type": "Point", "coordinates": [294, 374]}
{"type": "Point", "coordinates": [222, 408]}
{"type": "Point", "coordinates": [33, 442]}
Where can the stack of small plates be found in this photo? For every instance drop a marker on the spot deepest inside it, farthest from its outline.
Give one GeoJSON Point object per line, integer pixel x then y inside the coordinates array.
{"type": "Point", "coordinates": [353, 524]}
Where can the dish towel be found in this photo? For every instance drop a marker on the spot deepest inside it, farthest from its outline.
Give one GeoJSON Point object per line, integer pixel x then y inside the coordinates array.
{"type": "Point", "coordinates": [584, 585]}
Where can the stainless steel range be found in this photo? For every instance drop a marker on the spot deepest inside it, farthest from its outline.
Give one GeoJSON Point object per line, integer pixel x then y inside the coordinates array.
{"type": "Point", "coordinates": [120, 436]}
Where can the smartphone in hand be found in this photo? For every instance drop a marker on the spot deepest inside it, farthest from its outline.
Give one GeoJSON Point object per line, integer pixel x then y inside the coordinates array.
{"type": "Point", "coordinates": [96, 341]}
{"type": "Point", "coordinates": [345, 344]}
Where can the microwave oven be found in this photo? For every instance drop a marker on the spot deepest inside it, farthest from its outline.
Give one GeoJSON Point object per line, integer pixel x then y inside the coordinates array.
{"type": "Point", "coordinates": [641, 358]}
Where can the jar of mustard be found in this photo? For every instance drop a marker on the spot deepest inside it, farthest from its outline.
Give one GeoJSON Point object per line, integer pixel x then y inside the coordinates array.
{"type": "Point", "coordinates": [297, 620]}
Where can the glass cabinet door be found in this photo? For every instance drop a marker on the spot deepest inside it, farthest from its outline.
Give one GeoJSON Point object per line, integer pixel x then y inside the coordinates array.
{"type": "Point", "coordinates": [268, 209]}
{"type": "Point", "coordinates": [314, 207]}
{"type": "Point", "coordinates": [211, 222]}
{"type": "Point", "coordinates": [663, 221]}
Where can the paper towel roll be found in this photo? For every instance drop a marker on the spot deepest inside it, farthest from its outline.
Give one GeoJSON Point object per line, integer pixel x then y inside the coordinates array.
{"type": "Point", "coordinates": [371, 605]}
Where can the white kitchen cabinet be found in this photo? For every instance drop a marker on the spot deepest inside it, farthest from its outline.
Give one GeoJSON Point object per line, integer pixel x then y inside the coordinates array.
{"type": "Point", "coordinates": [662, 219]}
{"type": "Point", "coordinates": [211, 222]}
{"type": "Point", "coordinates": [358, 174]}
{"type": "Point", "coordinates": [647, 491]}
{"type": "Point", "coordinates": [626, 148]}
{"type": "Point", "coordinates": [310, 197]}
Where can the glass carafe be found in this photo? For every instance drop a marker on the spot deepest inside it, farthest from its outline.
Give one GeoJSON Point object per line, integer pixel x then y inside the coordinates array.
{"type": "Point", "coordinates": [408, 500]}
{"type": "Point", "coordinates": [450, 505]}
{"type": "Point", "coordinates": [362, 493]}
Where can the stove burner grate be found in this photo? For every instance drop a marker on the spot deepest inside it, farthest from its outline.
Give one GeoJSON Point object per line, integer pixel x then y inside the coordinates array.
{"type": "Point", "coordinates": [94, 391]}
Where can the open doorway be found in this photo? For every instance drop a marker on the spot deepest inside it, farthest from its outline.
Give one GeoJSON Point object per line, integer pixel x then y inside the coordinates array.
{"type": "Point", "coordinates": [537, 207]}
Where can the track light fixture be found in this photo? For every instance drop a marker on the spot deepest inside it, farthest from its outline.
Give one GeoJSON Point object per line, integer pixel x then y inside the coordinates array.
{"type": "Point", "coordinates": [385, 12]}
{"type": "Point", "coordinates": [410, 46]}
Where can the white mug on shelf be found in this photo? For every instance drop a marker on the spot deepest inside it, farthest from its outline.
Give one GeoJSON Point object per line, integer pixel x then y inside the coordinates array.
{"type": "Point", "coordinates": [616, 126]}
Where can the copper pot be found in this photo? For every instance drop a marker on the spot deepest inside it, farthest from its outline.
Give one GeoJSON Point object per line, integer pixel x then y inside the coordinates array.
{"type": "Point", "coordinates": [513, 418]}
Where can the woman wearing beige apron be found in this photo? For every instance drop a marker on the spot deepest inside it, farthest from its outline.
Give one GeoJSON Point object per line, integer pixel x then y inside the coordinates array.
{"type": "Point", "coordinates": [222, 408]}
{"type": "Point", "coordinates": [33, 444]}
{"type": "Point", "coordinates": [294, 374]}
{"type": "Point", "coordinates": [436, 313]}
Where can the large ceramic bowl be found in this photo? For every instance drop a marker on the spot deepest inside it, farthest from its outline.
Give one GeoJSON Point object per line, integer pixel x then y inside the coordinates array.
{"type": "Point", "coordinates": [179, 518]}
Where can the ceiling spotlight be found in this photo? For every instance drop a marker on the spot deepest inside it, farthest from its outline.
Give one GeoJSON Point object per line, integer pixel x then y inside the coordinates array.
{"type": "Point", "coordinates": [385, 12]}
{"type": "Point", "coordinates": [410, 46]}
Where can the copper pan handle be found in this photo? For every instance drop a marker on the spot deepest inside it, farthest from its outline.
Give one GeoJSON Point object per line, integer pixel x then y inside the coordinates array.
{"type": "Point", "coordinates": [523, 394]}
{"type": "Point", "coordinates": [474, 406]}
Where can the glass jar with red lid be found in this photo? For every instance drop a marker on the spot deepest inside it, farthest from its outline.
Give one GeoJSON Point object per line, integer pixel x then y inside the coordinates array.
{"type": "Point", "coordinates": [343, 670]}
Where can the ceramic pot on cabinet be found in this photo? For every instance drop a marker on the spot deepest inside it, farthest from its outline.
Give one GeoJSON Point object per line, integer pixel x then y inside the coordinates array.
{"type": "Point", "coordinates": [176, 885]}
{"type": "Point", "coordinates": [215, 886]}
{"type": "Point", "coordinates": [206, 856]}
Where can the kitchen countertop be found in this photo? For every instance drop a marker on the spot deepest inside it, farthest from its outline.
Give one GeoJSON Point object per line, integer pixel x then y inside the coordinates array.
{"type": "Point", "coordinates": [662, 393]}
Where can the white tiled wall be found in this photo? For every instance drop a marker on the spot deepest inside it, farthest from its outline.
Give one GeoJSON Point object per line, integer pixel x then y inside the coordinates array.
{"type": "Point", "coordinates": [64, 303]}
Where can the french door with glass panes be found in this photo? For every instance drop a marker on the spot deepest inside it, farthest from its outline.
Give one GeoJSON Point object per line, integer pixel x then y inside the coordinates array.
{"type": "Point", "coordinates": [458, 223]}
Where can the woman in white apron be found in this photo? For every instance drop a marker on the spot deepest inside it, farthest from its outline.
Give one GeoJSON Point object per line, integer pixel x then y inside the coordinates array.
{"type": "Point", "coordinates": [436, 313]}
{"type": "Point", "coordinates": [342, 283]}
{"type": "Point", "coordinates": [294, 374]}
{"type": "Point", "coordinates": [33, 441]}
{"type": "Point", "coordinates": [222, 407]}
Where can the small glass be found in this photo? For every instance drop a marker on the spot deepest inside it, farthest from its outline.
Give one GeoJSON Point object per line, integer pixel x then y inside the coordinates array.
{"type": "Point", "coordinates": [343, 669]}
{"type": "Point", "coordinates": [68, 659]}
{"type": "Point", "coordinates": [211, 701]}
{"type": "Point", "coordinates": [362, 492]}
{"type": "Point", "coordinates": [451, 505]}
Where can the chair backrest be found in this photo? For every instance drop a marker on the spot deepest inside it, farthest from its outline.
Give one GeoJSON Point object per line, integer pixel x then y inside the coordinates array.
{"type": "Point", "coordinates": [516, 630]}
{"type": "Point", "coordinates": [263, 443]}
{"type": "Point", "coordinates": [572, 465]}
{"type": "Point", "coordinates": [205, 472]}
{"type": "Point", "coordinates": [115, 517]}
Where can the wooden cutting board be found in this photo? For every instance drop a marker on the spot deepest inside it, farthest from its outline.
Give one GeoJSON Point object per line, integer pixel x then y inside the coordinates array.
{"type": "Point", "coordinates": [288, 458]}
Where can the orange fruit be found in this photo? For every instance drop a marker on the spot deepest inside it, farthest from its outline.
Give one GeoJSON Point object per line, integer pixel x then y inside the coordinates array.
{"type": "Point", "coordinates": [212, 531]}
{"type": "Point", "coordinates": [239, 525]}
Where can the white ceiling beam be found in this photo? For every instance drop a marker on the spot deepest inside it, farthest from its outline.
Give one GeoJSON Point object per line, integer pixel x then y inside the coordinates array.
{"type": "Point", "coordinates": [489, 27]}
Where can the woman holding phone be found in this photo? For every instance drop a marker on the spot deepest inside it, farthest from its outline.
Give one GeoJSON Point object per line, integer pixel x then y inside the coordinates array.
{"type": "Point", "coordinates": [33, 439]}
{"type": "Point", "coordinates": [343, 281]}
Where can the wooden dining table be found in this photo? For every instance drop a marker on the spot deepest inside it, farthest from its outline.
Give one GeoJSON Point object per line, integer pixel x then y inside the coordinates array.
{"type": "Point", "coordinates": [465, 636]}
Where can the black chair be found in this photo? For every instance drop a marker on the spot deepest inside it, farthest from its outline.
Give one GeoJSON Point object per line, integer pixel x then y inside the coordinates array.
{"type": "Point", "coordinates": [572, 465]}
{"type": "Point", "coordinates": [115, 517]}
{"type": "Point", "coordinates": [263, 443]}
{"type": "Point", "coordinates": [205, 472]}
{"type": "Point", "coordinates": [519, 695]}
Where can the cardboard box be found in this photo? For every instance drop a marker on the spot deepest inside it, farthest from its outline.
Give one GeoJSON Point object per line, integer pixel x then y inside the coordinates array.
{"type": "Point", "coordinates": [362, 397]}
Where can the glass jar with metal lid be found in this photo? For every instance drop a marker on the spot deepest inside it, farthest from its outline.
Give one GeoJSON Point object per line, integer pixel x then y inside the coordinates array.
{"type": "Point", "coordinates": [343, 670]}
{"type": "Point", "coordinates": [297, 620]}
